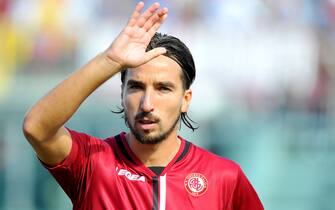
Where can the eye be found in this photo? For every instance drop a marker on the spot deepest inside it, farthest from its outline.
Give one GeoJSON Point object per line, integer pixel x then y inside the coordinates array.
{"type": "Point", "coordinates": [164, 89]}
{"type": "Point", "coordinates": [134, 86]}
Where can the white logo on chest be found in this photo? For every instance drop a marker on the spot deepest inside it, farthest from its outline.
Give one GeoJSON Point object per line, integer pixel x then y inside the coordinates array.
{"type": "Point", "coordinates": [196, 184]}
{"type": "Point", "coordinates": [129, 175]}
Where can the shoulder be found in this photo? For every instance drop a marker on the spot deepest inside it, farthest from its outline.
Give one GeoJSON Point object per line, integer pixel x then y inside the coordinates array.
{"type": "Point", "coordinates": [87, 142]}
{"type": "Point", "coordinates": [215, 163]}
{"type": "Point", "coordinates": [206, 155]}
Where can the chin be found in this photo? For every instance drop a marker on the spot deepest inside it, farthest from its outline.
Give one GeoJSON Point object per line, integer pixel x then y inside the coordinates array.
{"type": "Point", "coordinates": [150, 138]}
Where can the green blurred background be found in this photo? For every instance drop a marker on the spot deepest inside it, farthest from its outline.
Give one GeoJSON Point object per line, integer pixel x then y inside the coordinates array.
{"type": "Point", "coordinates": [263, 96]}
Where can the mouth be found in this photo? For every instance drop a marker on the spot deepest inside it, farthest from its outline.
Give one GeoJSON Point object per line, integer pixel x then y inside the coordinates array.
{"type": "Point", "coordinates": [147, 124]}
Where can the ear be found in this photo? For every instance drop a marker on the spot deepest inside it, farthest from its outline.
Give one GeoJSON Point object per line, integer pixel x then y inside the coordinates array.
{"type": "Point", "coordinates": [186, 100]}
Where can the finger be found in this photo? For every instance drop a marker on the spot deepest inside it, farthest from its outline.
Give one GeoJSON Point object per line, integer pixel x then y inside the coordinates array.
{"type": "Point", "coordinates": [147, 14]}
{"type": "Point", "coordinates": [154, 53]}
{"type": "Point", "coordinates": [136, 14]}
{"type": "Point", "coordinates": [156, 26]}
{"type": "Point", "coordinates": [155, 18]}
{"type": "Point", "coordinates": [162, 12]}
{"type": "Point", "coordinates": [151, 22]}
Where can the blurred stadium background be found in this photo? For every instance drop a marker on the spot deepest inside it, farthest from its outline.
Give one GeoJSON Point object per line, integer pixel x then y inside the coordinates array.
{"type": "Point", "coordinates": [263, 96]}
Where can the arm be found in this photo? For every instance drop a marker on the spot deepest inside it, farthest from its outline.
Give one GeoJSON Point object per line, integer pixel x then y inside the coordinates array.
{"type": "Point", "coordinates": [245, 197]}
{"type": "Point", "coordinates": [43, 125]}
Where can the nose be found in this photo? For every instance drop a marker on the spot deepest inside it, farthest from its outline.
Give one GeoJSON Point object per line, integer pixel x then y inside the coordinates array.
{"type": "Point", "coordinates": [146, 102]}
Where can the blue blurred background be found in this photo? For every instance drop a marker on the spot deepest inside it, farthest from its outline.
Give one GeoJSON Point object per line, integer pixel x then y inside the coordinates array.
{"type": "Point", "coordinates": [263, 96]}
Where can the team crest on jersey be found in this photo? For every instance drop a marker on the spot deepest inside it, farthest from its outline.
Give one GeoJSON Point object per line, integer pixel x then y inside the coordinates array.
{"type": "Point", "coordinates": [196, 184]}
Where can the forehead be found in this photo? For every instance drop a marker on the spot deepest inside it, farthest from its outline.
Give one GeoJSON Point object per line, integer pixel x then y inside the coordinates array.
{"type": "Point", "coordinates": [161, 68]}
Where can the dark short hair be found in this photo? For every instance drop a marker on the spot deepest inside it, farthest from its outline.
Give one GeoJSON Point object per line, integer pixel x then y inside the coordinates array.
{"type": "Point", "coordinates": [179, 52]}
{"type": "Point", "coordinates": [176, 50]}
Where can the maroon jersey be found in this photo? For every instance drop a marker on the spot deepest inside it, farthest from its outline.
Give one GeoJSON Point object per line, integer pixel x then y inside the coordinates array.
{"type": "Point", "coordinates": [105, 174]}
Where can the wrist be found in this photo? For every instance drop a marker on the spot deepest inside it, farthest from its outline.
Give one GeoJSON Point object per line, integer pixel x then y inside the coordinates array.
{"type": "Point", "coordinates": [110, 64]}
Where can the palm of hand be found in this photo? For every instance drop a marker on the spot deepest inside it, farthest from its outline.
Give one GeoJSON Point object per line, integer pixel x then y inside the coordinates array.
{"type": "Point", "coordinates": [129, 48]}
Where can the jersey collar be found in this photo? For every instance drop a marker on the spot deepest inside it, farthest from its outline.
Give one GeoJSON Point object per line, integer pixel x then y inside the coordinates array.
{"type": "Point", "coordinates": [135, 163]}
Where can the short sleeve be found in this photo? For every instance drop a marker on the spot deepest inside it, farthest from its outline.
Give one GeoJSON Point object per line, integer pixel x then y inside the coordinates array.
{"type": "Point", "coordinates": [245, 196]}
{"type": "Point", "coordinates": [75, 171]}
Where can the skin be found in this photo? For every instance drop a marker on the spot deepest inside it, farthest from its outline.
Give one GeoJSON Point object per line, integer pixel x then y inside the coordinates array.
{"type": "Point", "coordinates": [154, 92]}
{"type": "Point", "coordinates": [43, 124]}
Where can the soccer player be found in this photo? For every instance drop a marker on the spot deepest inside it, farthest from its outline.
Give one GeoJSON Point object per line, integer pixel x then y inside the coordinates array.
{"type": "Point", "coordinates": [150, 167]}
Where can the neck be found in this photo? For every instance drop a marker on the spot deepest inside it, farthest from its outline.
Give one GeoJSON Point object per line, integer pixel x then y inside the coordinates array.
{"type": "Point", "coordinates": [159, 154]}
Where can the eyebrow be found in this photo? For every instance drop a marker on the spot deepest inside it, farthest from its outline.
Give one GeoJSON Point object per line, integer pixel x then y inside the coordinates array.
{"type": "Point", "coordinates": [165, 84]}
{"type": "Point", "coordinates": [134, 82]}
{"type": "Point", "coordinates": [162, 83]}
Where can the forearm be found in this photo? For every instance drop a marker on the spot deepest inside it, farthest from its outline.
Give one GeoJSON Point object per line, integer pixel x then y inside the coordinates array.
{"type": "Point", "coordinates": [54, 109]}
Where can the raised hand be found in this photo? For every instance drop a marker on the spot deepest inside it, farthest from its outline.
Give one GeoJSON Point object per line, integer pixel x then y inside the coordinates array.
{"type": "Point", "coordinates": [128, 49]}
{"type": "Point", "coordinates": [44, 123]}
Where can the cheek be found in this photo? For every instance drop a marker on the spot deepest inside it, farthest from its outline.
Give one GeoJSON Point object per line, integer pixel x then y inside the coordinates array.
{"type": "Point", "coordinates": [130, 104]}
{"type": "Point", "coordinates": [173, 107]}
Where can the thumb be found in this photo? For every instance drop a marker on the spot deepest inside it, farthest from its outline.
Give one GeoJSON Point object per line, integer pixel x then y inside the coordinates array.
{"type": "Point", "coordinates": [154, 53]}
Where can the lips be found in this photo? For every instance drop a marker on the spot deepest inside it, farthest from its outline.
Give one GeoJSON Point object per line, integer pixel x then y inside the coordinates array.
{"type": "Point", "coordinates": [147, 124]}
{"type": "Point", "coordinates": [146, 121]}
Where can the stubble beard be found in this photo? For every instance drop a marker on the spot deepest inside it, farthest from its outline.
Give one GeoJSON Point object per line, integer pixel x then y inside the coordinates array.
{"type": "Point", "coordinates": [151, 139]}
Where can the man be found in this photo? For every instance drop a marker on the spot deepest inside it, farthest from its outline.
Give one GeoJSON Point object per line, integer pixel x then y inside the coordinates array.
{"type": "Point", "coordinates": [151, 167]}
